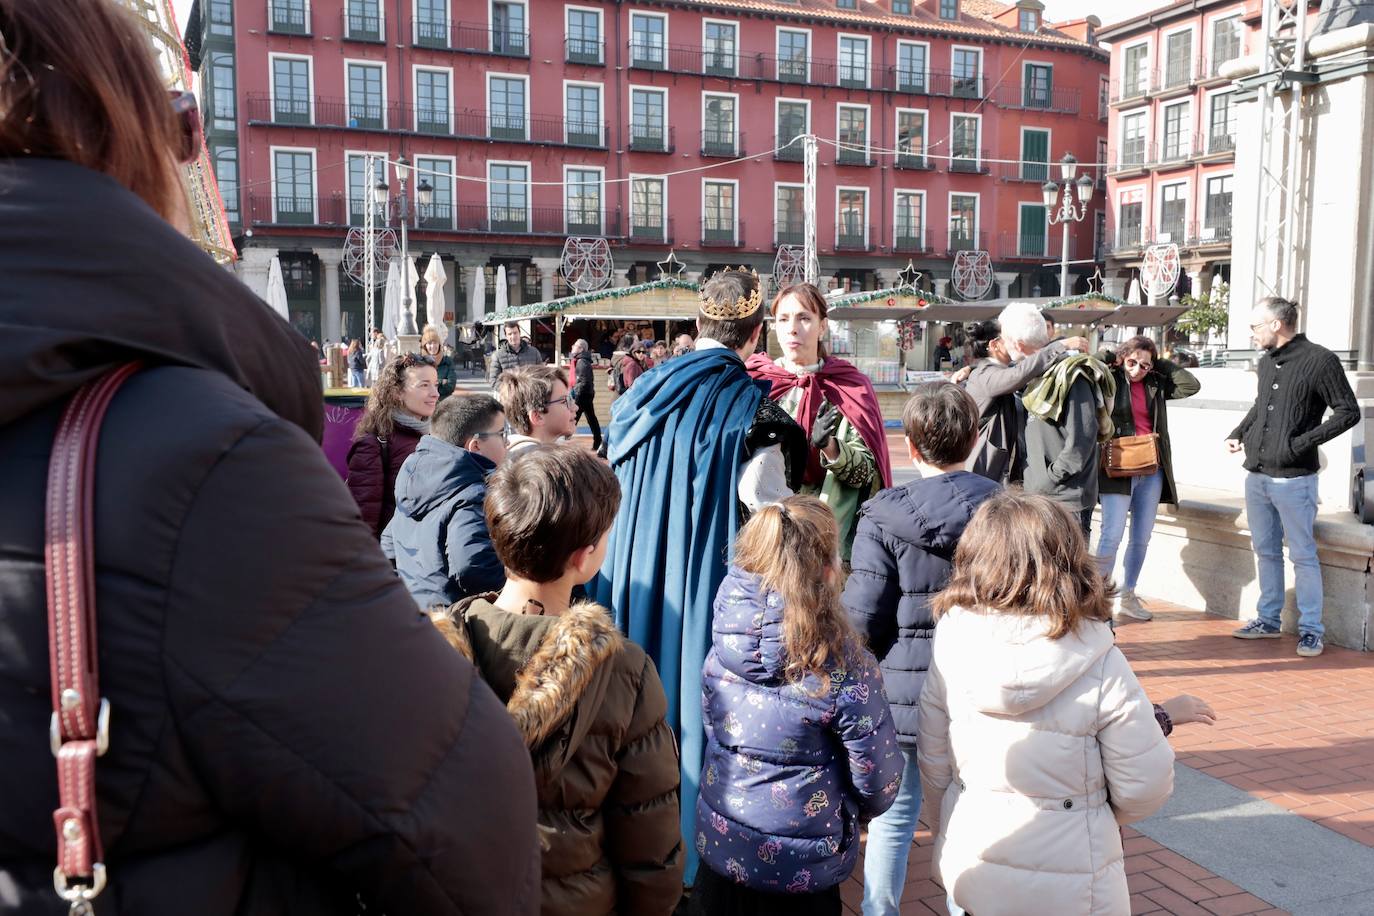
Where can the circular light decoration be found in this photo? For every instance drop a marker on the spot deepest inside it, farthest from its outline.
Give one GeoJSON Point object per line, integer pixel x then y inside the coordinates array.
{"type": "Point", "coordinates": [587, 264]}
{"type": "Point", "coordinates": [355, 254]}
{"type": "Point", "coordinates": [789, 266]}
{"type": "Point", "coordinates": [972, 274]}
{"type": "Point", "coordinates": [1159, 270]}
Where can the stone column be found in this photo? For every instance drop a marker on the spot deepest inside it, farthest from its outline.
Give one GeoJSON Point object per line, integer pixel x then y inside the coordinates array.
{"type": "Point", "coordinates": [621, 277]}
{"type": "Point", "coordinates": [692, 276]}
{"type": "Point", "coordinates": [888, 277]}
{"type": "Point", "coordinates": [253, 266]}
{"type": "Point", "coordinates": [825, 282]}
{"type": "Point", "coordinates": [1004, 282]}
{"type": "Point", "coordinates": [1115, 286]}
{"type": "Point", "coordinates": [1200, 281]}
{"type": "Point", "coordinates": [942, 287]}
{"type": "Point", "coordinates": [548, 273]}
{"type": "Point", "coordinates": [330, 259]}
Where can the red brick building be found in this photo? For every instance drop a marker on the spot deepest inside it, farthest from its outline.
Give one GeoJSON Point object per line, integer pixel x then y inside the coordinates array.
{"type": "Point", "coordinates": [533, 120]}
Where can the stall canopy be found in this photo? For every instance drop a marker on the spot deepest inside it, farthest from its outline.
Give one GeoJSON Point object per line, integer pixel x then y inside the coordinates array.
{"type": "Point", "coordinates": [1084, 311]}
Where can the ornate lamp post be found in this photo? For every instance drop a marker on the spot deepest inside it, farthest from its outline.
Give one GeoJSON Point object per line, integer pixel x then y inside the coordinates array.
{"type": "Point", "coordinates": [1060, 195]}
{"type": "Point", "coordinates": [424, 193]}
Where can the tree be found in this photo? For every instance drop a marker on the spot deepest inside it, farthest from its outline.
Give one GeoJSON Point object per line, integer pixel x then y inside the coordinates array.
{"type": "Point", "coordinates": [1207, 313]}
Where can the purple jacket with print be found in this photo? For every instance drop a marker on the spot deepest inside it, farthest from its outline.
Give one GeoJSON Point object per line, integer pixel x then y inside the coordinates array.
{"type": "Point", "coordinates": [791, 768]}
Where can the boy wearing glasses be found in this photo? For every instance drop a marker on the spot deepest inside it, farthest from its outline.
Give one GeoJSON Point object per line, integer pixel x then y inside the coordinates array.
{"type": "Point", "coordinates": [438, 538]}
{"type": "Point", "coordinates": [539, 405]}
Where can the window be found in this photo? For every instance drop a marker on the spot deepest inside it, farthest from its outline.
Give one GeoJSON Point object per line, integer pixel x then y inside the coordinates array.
{"type": "Point", "coordinates": [584, 36]}
{"type": "Point", "coordinates": [506, 107]}
{"type": "Point", "coordinates": [1134, 63]}
{"type": "Point", "coordinates": [718, 208]}
{"type": "Point", "coordinates": [912, 64]}
{"type": "Point", "coordinates": [1217, 221]}
{"type": "Point", "coordinates": [1178, 57]}
{"type": "Point", "coordinates": [646, 208]}
{"type": "Point", "coordinates": [852, 133]}
{"type": "Point", "coordinates": [788, 218]}
{"type": "Point", "coordinates": [949, 9]}
{"type": "Point", "coordinates": [792, 123]}
{"type": "Point", "coordinates": [963, 222]}
{"type": "Point", "coordinates": [794, 56]}
{"type": "Point", "coordinates": [1173, 213]}
{"type": "Point", "coordinates": [1033, 235]}
{"type": "Point", "coordinates": [508, 196]}
{"type": "Point", "coordinates": [583, 114]}
{"type": "Point", "coordinates": [438, 214]}
{"type": "Point", "coordinates": [363, 19]}
{"type": "Point", "coordinates": [1225, 42]}
{"type": "Point", "coordinates": [908, 233]}
{"type": "Point", "coordinates": [431, 23]}
{"type": "Point", "coordinates": [847, 4]}
{"type": "Point", "coordinates": [582, 199]}
{"type": "Point", "coordinates": [647, 130]}
{"type": "Point", "coordinates": [1104, 96]}
{"type": "Point", "coordinates": [901, 7]}
{"type": "Point", "coordinates": [963, 143]}
{"type": "Point", "coordinates": [911, 139]}
{"type": "Point", "coordinates": [1129, 227]}
{"type": "Point", "coordinates": [365, 96]}
{"type": "Point", "coordinates": [290, 90]}
{"type": "Point", "coordinates": [1176, 144]}
{"type": "Point", "coordinates": [852, 218]}
{"type": "Point", "coordinates": [648, 41]}
{"type": "Point", "coordinates": [223, 108]}
{"type": "Point", "coordinates": [226, 161]}
{"type": "Point", "coordinates": [432, 104]}
{"type": "Point", "coordinates": [1221, 129]}
{"type": "Point", "coordinates": [853, 61]}
{"type": "Point", "coordinates": [357, 187]}
{"type": "Point", "coordinates": [718, 125]}
{"type": "Point", "coordinates": [1039, 89]}
{"type": "Point", "coordinates": [1028, 21]}
{"type": "Point", "coordinates": [1035, 154]}
{"type": "Point", "coordinates": [966, 71]}
{"type": "Point", "coordinates": [719, 50]}
{"type": "Point", "coordinates": [222, 17]}
{"type": "Point", "coordinates": [290, 16]}
{"type": "Point", "coordinates": [293, 186]}
{"type": "Point", "coordinates": [1133, 139]}
{"type": "Point", "coordinates": [508, 35]}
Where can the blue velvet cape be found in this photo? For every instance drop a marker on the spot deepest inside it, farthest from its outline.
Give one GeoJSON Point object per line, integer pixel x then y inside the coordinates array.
{"type": "Point", "coordinates": [676, 444]}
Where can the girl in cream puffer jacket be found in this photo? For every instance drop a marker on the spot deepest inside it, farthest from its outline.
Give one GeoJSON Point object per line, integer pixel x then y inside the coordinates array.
{"type": "Point", "coordinates": [1036, 740]}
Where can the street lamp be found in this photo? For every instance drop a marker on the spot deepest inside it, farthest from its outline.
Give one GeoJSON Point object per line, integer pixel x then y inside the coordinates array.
{"type": "Point", "coordinates": [1060, 196]}
{"type": "Point", "coordinates": [406, 326]}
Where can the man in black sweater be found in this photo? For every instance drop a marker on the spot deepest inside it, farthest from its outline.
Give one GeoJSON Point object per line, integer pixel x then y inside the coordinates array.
{"type": "Point", "coordinates": [1298, 381]}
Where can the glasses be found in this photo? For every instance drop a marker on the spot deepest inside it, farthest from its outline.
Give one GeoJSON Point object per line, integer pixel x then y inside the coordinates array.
{"type": "Point", "coordinates": [1137, 364]}
{"type": "Point", "coordinates": [186, 109]}
{"type": "Point", "coordinates": [504, 432]}
{"type": "Point", "coordinates": [566, 401]}
{"type": "Point", "coordinates": [1262, 324]}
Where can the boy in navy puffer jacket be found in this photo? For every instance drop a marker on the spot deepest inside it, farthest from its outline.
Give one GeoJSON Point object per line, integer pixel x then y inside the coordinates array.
{"type": "Point", "coordinates": [903, 550]}
{"type": "Point", "coordinates": [800, 745]}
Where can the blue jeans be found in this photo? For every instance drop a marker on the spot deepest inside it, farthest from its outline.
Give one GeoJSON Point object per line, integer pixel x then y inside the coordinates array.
{"type": "Point", "coordinates": [1283, 509]}
{"type": "Point", "coordinates": [355, 379]}
{"type": "Point", "coordinates": [889, 844]}
{"type": "Point", "coordinates": [1142, 504]}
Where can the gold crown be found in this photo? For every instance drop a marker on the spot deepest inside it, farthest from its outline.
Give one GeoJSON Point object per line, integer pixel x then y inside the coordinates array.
{"type": "Point", "coordinates": [742, 307]}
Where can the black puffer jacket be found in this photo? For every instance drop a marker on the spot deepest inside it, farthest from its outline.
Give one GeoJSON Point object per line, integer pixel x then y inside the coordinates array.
{"type": "Point", "coordinates": [288, 732]}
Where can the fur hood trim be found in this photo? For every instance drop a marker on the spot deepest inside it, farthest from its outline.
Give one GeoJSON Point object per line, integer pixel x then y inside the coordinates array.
{"type": "Point", "coordinates": [554, 678]}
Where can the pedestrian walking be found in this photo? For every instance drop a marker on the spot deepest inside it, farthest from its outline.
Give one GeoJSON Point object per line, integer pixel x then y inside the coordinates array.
{"type": "Point", "coordinates": [1298, 382]}
{"type": "Point", "coordinates": [397, 414]}
{"type": "Point", "coordinates": [1036, 740]}
{"type": "Point", "coordinates": [906, 540]}
{"type": "Point", "coordinates": [261, 662]}
{"type": "Point", "coordinates": [584, 390]}
{"type": "Point", "coordinates": [833, 402]}
{"type": "Point", "coordinates": [800, 744]}
{"type": "Point", "coordinates": [357, 364]}
{"type": "Point", "coordinates": [1145, 383]}
{"type": "Point", "coordinates": [432, 345]}
{"type": "Point", "coordinates": [538, 405]}
{"type": "Point", "coordinates": [588, 701]}
{"type": "Point", "coordinates": [514, 352]}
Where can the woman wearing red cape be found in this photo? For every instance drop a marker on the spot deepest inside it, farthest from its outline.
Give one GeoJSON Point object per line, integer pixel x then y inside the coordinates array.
{"type": "Point", "coordinates": [833, 402]}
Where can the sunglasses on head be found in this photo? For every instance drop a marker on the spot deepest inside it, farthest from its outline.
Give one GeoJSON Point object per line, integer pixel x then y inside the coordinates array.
{"type": "Point", "coordinates": [187, 111]}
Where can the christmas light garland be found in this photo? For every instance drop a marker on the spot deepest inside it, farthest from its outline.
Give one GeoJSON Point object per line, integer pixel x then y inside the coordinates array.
{"type": "Point", "coordinates": [555, 306]}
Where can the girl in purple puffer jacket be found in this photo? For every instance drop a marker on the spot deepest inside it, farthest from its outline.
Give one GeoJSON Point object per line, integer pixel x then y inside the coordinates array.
{"type": "Point", "coordinates": [800, 744]}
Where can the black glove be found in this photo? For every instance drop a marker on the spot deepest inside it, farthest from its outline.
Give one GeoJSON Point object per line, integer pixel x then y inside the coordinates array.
{"type": "Point", "coordinates": [823, 429]}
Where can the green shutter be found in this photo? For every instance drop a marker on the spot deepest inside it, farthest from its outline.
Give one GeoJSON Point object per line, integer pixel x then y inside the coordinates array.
{"type": "Point", "coordinates": [1035, 147]}
{"type": "Point", "coordinates": [1032, 231]}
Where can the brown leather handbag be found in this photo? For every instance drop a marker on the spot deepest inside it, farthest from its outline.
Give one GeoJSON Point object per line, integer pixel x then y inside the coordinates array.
{"type": "Point", "coordinates": [1131, 456]}
{"type": "Point", "coordinates": [80, 727]}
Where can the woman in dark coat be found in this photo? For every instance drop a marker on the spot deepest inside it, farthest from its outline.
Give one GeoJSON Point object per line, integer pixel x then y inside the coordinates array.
{"type": "Point", "coordinates": [398, 410]}
{"type": "Point", "coordinates": [432, 345]}
{"type": "Point", "coordinates": [261, 660]}
{"type": "Point", "coordinates": [1144, 385]}
{"type": "Point", "coordinates": [584, 389]}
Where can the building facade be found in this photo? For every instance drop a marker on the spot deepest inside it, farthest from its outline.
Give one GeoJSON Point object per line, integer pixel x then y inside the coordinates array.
{"type": "Point", "coordinates": [658, 125]}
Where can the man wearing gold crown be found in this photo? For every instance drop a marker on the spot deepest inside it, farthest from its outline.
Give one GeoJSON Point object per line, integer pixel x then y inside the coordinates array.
{"type": "Point", "coordinates": [695, 444]}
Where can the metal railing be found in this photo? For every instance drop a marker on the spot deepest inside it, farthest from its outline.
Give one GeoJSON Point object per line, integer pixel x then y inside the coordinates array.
{"type": "Point", "coordinates": [651, 138]}
{"type": "Point", "coordinates": [363, 27]}
{"type": "Point", "coordinates": [955, 242]}
{"type": "Point", "coordinates": [290, 210]}
{"type": "Point", "coordinates": [918, 161]}
{"type": "Point", "coordinates": [1176, 75]}
{"type": "Point", "coordinates": [850, 155]}
{"type": "Point", "coordinates": [1033, 98]}
{"type": "Point", "coordinates": [854, 239]}
{"type": "Point", "coordinates": [1176, 148]}
{"type": "Point", "coordinates": [1173, 231]}
{"type": "Point", "coordinates": [1215, 230]}
{"type": "Point", "coordinates": [1132, 154]}
{"type": "Point", "coordinates": [478, 218]}
{"type": "Point", "coordinates": [1128, 239]}
{"type": "Point", "coordinates": [786, 150]}
{"type": "Point", "coordinates": [661, 231]}
{"type": "Point", "coordinates": [1036, 246]}
{"type": "Point", "coordinates": [910, 240]}
{"type": "Point", "coordinates": [721, 143]}
{"type": "Point", "coordinates": [470, 36]}
{"type": "Point", "coordinates": [1135, 87]}
{"type": "Point", "coordinates": [1216, 144]}
{"type": "Point", "coordinates": [789, 232]}
{"type": "Point", "coordinates": [1038, 172]}
{"type": "Point", "coordinates": [531, 128]}
{"type": "Point", "coordinates": [584, 51]}
{"type": "Point", "coordinates": [715, 236]}
{"type": "Point", "coordinates": [288, 18]}
{"type": "Point", "coordinates": [969, 161]}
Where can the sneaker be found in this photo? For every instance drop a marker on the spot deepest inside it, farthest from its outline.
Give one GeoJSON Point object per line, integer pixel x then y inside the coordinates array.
{"type": "Point", "coordinates": [1257, 629]}
{"type": "Point", "coordinates": [1310, 644]}
{"type": "Point", "coordinates": [1128, 604]}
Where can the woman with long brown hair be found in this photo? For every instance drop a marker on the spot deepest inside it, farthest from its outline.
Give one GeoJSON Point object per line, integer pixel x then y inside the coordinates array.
{"type": "Point", "coordinates": [261, 660]}
{"type": "Point", "coordinates": [788, 690]}
{"type": "Point", "coordinates": [397, 414]}
{"type": "Point", "coordinates": [432, 345]}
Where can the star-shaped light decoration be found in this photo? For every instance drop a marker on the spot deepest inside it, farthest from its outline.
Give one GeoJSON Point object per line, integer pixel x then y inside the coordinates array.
{"type": "Point", "coordinates": [670, 268]}
{"type": "Point", "coordinates": [1095, 282]}
{"type": "Point", "coordinates": [908, 278]}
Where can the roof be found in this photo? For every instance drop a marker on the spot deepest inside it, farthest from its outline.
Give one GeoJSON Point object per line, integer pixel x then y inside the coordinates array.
{"type": "Point", "coordinates": [600, 297]}
{"type": "Point", "coordinates": [975, 19]}
{"type": "Point", "coordinates": [1165, 12]}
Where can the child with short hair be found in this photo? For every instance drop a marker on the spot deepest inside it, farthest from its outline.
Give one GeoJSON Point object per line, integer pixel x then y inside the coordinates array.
{"type": "Point", "coordinates": [588, 701]}
{"type": "Point", "coordinates": [800, 746]}
{"type": "Point", "coordinates": [902, 556]}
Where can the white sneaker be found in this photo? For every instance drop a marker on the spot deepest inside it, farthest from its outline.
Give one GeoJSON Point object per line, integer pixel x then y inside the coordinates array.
{"type": "Point", "coordinates": [1127, 604]}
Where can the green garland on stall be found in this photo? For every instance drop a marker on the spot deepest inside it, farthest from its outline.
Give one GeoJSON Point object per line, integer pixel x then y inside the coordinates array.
{"type": "Point", "coordinates": [554, 306]}
{"type": "Point", "coordinates": [893, 293]}
{"type": "Point", "coordinates": [1071, 301]}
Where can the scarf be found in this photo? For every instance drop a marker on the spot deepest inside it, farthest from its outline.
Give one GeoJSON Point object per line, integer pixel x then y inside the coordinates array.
{"type": "Point", "coordinates": [1045, 399]}
{"type": "Point", "coordinates": [844, 386]}
{"type": "Point", "coordinates": [404, 419]}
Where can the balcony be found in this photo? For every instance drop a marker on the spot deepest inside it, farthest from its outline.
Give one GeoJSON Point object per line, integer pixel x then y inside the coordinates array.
{"type": "Point", "coordinates": [433, 33]}
{"type": "Point", "coordinates": [651, 138]}
{"type": "Point", "coordinates": [965, 87]}
{"type": "Point", "coordinates": [510, 220]}
{"type": "Point", "coordinates": [957, 240]}
{"type": "Point", "coordinates": [1176, 148]}
{"type": "Point", "coordinates": [1104, 104]}
{"type": "Point", "coordinates": [478, 218]}
{"type": "Point", "coordinates": [1038, 172]}
{"type": "Point", "coordinates": [916, 82]}
{"type": "Point", "coordinates": [1210, 70]}
{"type": "Point", "coordinates": [789, 232]}
{"type": "Point", "coordinates": [969, 161]}
{"type": "Point", "coordinates": [1132, 156]}
{"type": "Point", "coordinates": [1176, 75]}
{"type": "Point", "coordinates": [288, 17]}
{"type": "Point", "coordinates": [1038, 247]}
{"type": "Point", "coordinates": [721, 143]}
{"type": "Point", "coordinates": [790, 69]}
{"type": "Point", "coordinates": [1032, 98]}
{"type": "Point", "coordinates": [853, 154]}
{"type": "Point", "coordinates": [786, 150]}
{"type": "Point", "coordinates": [272, 210]}
{"type": "Point", "coordinates": [851, 76]}
{"type": "Point", "coordinates": [432, 120]}
{"type": "Point", "coordinates": [718, 63]}
{"type": "Point", "coordinates": [716, 235]}
{"type": "Point", "coordinates": [917, 161]}
{"type": "Point", "coordinates": [522, 128]}
{"type": "Point", "coordinates": [1134, 87]}
{"type": "Point", "coordinates": [852, 238]}
{"type": "Point", "coordinates": [1218, 144]}
{"type": "Point", "coordinates": [648, 56]}
{"type": "Point", "coordinates": [651, 231]}
{"type": "Point", "coordinates": [363, 27]}
{"type": "Point", "coordinates": [1171, 232]}
{"type": "Point", "coordinates": [1213, 231]}
{"type": "Point", "coordinates": [591, 51]}
{"type": "Point", "coordinates": [1128, 241]}
{"type": "Point", "coordinates": [910, 240]}
{"type": "Point", "coordinates": [470, 36]}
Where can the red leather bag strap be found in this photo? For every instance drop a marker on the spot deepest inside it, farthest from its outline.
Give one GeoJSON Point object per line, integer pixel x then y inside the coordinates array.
{"type": "Point", "coordinates": [80, 729]}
